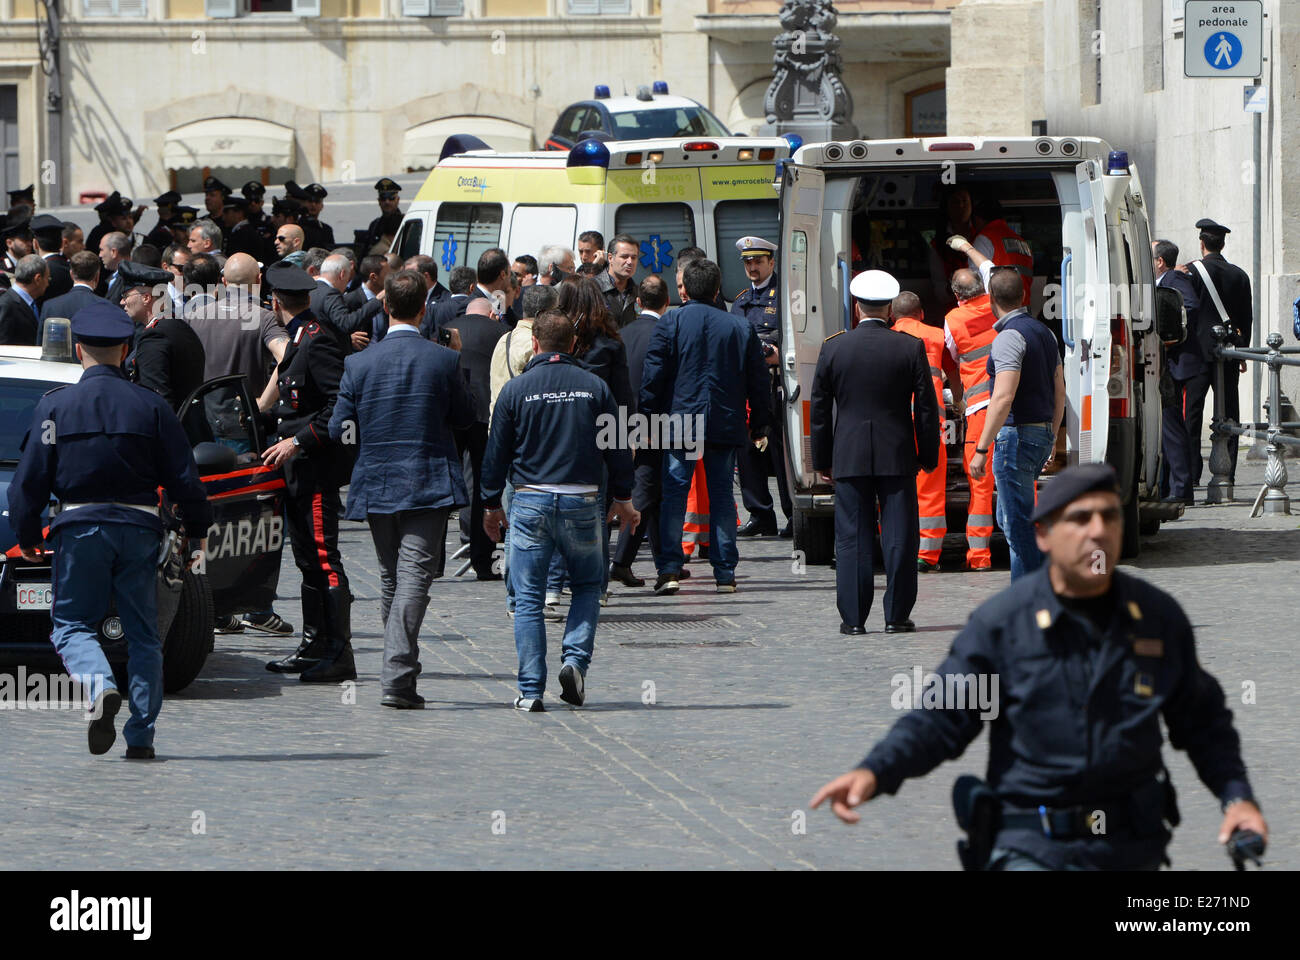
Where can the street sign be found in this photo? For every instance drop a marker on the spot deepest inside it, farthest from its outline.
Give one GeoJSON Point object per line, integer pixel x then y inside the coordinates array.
{"type": "Point", "coordinates": [1256, 99]}
{"type": "Point", "coordinates": [1223, 38]}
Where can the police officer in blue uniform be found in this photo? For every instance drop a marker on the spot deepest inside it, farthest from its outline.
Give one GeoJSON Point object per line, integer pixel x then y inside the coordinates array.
{"type": "Point", "coordinates": [314, 468]}
{"type": "Point", "coordinates": [760, 304]}
{"type": "Point", "coordinates": [103, 446]}
{"type": "Point", "coordinates": [1088, 660]}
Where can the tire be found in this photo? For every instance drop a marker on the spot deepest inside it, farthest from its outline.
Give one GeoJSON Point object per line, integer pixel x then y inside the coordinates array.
{"type": "Point", "coordinates": [189, 641]}
{"type": "Point", "coordinates": [814, 536]}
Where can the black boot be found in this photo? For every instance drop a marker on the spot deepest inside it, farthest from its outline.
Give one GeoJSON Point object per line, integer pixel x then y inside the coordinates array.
{"type": "Point", "coordinates": [314, 639]}
{"type": "Point", "coordinates": [336, 663]}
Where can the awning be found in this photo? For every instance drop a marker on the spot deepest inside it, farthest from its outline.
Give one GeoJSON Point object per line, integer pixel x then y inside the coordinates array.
{"type": "Point", "coordinates": [228, 142]}
{"type": "Point", "coordinates": [422, 145]}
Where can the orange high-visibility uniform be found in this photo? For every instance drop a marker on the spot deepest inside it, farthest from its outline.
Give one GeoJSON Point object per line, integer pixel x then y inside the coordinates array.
{"type": "Point", "coordinates": [931, 486]}
{"type": "Point", "coordinates": [970, 325]}
{"type": "Point", "coordinates": [695, 529]}
{"type": "Point", "coordinates": [1010, 249]}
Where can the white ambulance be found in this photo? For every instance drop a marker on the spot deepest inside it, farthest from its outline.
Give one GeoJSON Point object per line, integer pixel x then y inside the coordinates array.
{"type": "Point", "coordinates": [862, 205]}
{"type": "Point", "coordinates": [669, 194]}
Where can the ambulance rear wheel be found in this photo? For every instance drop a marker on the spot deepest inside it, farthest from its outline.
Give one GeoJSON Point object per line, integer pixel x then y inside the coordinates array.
{"type": "Point", "coordinates": [189, 641]}
{"type": "Point", "coordinates": [814, 537]}
{"type": "Point", "coordinates": [1132, 544]}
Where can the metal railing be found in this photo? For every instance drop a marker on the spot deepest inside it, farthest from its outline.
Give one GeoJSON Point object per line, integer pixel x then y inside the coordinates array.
{"type": "Point", "coordinates": [1272, 497]}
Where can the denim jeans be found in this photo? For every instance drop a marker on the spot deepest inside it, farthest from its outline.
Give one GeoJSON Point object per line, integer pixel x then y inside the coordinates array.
{"type": "Point", "coordinates": [541, 525]}
{"type": "Point", "coordinates": [719, 471]}
{"type": "Point", "coordinates": [1018, 457]}
{"type": "Point", "coordinates": [95, 563]}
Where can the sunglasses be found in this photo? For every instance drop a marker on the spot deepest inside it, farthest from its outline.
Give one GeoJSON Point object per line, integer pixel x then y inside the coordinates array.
{"type": "Point", "coordinates": [282, 239]}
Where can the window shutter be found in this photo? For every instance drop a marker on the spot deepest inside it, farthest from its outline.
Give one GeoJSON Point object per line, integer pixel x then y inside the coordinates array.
{"type": "Point", "coordinates": [447, 8]}
{"type": "Point", "coordinates": [220, 9]}
{"type": "Point", "coordinates": [415, 8]}
{"type": "Point", "coordinates": [662, 230]}
{"type": "Point", "coordinates": [98, 8]}
{"type": "Point", "coordinates": [584, 8]}
{"type": "Point", "coordinates": [306, 8]}
{"type": "Point", "coordinates": [133, 8]}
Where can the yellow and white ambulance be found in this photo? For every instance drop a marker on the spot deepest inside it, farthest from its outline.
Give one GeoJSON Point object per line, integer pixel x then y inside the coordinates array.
{"type": "Point", "coordinates": [669, 194]}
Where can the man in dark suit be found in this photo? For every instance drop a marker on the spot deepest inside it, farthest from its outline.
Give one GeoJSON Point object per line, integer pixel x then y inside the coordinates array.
{"type": "Point", "coordinates": [1189, 368]}
{"type": "Point", "coordinates": [85, 276]}
{"type": "Point", "coordinates": [875, 423]}
{"type": "Point", "coordinates": [114, 249]}
{"type": "Point", "coordinates": [18, 311]}
{"type": "Point", "coordinates": [373, 272]}
{"type": "Point", "coordinates": [327, 303]}
{"type": "Point", "coordinates": [647, 487]}
{"type": "Point", "coordinates": [460, 282]}
{"type": "Point", "coordinates": [48, 234]}
{"type": "Point", "coordinates": [479, 334]}
{"type": "Point", "coordinates": [1232, 286]}
{"type": "Point", "coordinates": [436, 293]}
{"type": "Point", "coordinates": [400, 400]}
{"type": "Point", "coordinates": [168, 357]}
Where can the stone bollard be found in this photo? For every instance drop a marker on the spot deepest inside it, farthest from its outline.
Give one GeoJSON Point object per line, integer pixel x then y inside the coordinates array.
{"type": "Point", "coordinates": [1275, 499]}
{"type": "Point", "coordinates": [1220, 487]}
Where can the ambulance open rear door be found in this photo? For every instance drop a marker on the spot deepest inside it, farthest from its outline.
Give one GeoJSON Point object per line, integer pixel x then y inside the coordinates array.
{"type": "Point", "coordinates": [1086, 321]}
{"type": "Point", "coordinates": [802, 193]}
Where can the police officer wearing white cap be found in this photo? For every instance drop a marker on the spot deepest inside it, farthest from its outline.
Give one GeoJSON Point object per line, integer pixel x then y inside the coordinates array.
{"type": "Point", "coordinates": [875, 423]}
{"type": "Point", "coordinates": [760, 304]}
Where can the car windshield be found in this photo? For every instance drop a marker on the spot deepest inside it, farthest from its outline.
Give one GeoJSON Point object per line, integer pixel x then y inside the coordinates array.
{"type": "Point", "coordinates": [661, 122]}
{"type": "Point", "coordinates": [17, 402]}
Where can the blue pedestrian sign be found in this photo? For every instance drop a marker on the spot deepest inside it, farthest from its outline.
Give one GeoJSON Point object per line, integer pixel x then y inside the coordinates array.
{"type": "Point", "coordinates": [1223, 38]}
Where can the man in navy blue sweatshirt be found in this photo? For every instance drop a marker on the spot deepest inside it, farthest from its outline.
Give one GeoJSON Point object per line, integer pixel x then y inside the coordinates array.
{"type": "Point", "coordinates": [544, 440]}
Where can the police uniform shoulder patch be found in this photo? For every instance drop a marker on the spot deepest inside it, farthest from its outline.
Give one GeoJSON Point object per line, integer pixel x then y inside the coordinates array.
{"type": "Point", "coordinates": [832, 336]}
{"type": "Point", "coordinates": [740, 294]}
{"type": "Point", "coordinates": [771, 290]}
{"type": "Point", "coordinates": [297, 335]}
{"type": "Point", "coordinates": [62, 386]}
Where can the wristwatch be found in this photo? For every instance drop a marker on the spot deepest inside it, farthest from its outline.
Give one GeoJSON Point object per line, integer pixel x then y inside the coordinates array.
{"type": "Point", "coordinates": [296, 443]}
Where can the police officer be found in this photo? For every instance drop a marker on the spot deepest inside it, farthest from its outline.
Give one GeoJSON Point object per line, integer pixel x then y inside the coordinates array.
{"type": "Point", "coordinates": [161, 235]}
{"type": "Point", "coordinates": [390, 215]}
{"type": "Point", "coordinates": [239, 235]}
{"type": "Point", "coordinates": [22, 202]}
{"type": "Point", "coordinates": [875, 422]}
{"type": "Point", "coordinates": [168, 356]}
{"type": "Point", "coordinates": [214, 198]}
{"type": "Point", "coordinates": [312, 198]}
{"type": "Point", "coordinates": [1089, 661]}
{"type": "Point", "coordinates": [314, 469]}
{"type": "Point", "coordinates": [103, 447]}
{"type": "Point", "coordinates": [760, 304]}
{"type": "Point", "coordinates": [255, 194]}
{"type": "Point", "coordinates": [115, 215]}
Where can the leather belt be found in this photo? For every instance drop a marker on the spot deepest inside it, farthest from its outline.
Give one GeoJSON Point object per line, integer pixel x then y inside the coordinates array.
{"type": "Point", "coordinates": [133, 506]}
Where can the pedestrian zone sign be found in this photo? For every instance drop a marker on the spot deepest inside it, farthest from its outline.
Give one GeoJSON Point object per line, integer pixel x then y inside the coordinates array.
{"type": "Point", "coordinates": [1223, 38]}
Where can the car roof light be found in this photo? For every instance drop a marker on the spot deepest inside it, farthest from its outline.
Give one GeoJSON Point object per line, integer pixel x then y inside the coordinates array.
{"type": "Point", "coordinates": [660, 87]}
{"type": "Point", "coordinates": [460, 143]}
{"type": "Point", "coordinates": [643, 93]}
{"type": "Point", "coordinates": [794, 140]}
{"type": "Point", "coordinates": [56, 341]}
{"type": "Point", "coordinates": [602, 91]}
{"type": "Point", "coordinates": [1117, 163]}
{"type": "Point", "coordinates": [589, 153]}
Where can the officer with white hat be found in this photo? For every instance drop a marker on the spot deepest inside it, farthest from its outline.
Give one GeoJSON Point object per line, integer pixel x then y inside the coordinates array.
{"type": "Point", "coordinates": [875, 423]}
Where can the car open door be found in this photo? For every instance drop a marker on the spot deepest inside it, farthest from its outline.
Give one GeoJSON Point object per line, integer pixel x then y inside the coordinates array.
{"type": "Point", "coordinates": [1087, 328]}
{"type": "Point", "coordinates": [804, 321]}
{"type": "Point", "coordinates": [247, 532]}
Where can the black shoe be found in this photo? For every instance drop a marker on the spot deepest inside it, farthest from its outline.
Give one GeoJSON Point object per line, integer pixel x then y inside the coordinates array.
{"type": "Point", "coordinates": [334, 670]}
{"type": "Point", "coordinates": [900, 626]}
{"type": "Point", "coordinates": [850, 631]}
{"type": "Point", "coordinates": [753, 527]}
{"type": "Point", "coordinates": [314, 640]}
{"type": "Point", "coordinates": [667, 584]}
{"type": "Point", "coordinates": [139, 753]}
{"type": "Point", "coordinates": [684, 573]}
{"type": "Point", "coordinates": [336, 663]}
{"type": "Point", "coordinates": [787, 532]}
{"type": "Point", "coordinates": [625, 576]}
{"type": "Point", "coordinates": [925, 566]}
{"type": "Point", "coordinates": [102, 732]}
{"type": "Point", "coordinates": [228, 625]}
{"type": "Point", "coordinates": [403, 700]}
{"type": "Point", "coordinates": [573, 686]}
{"type": "Point", "coordinates": [267, 623]}
{"type": "Point", "coordinates": [702, 554]}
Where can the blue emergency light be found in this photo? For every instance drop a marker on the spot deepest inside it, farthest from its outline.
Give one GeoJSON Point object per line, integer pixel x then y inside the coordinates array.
{"type": "Point", "coordinates": [794, 140]}
{"type": "Point", "coordinates": [1117, 163]}
{"type": "Point", "coordinates": [588, 153]}
{"type": "Point", "coordinates": [602, 91]}
{"type": "Point", "coordinates": [661, 87]}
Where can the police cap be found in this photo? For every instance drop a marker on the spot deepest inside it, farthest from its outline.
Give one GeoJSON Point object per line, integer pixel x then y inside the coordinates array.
{"type": "Point", "coordinates": [168, 199]}
{"type": "Point", "coordinates": [1209, 226]}
{"type": "Point", "coordinates": [314, 191]}
{"type": "Point", "coordinates": [253, 190]}
{"type": "Point", "coordinates": [102, 324]}
{"type": "Point", "coordinates": [293, 191]}
{"type": "Point", "coordinates": [287, 206]}
{"type": "Point", "coordinates": [387, 186]}
{"type": "Point", "coordinates": [874, 286]}
{"type": "Point", "coordinates": [212, 184]}
{"type": "Point", "coordinates": [235, 203]}
{"type": "Point", "coordinates": [755, 247]}
{"type": "Point", "coordinates": [182, 217]}
{"type": "Point", "coordinates": [114, 205]}
{"type": "Point", "coordinates": [1072, 483]}
{"type": "Point", "coordinates": [20, 227]}
{"type": "Point", "coordinates": [290, 279]}
{"type": "Point", "coordinates": [27, 193]}
{"type": "Point", "coordinates": [141, 275]}
{"type": "Point", "coordinates": [44, 222]}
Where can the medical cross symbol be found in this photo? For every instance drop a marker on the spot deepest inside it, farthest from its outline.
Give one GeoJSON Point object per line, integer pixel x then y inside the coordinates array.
{"type": "Point", "coordinates": [449, 253]}
{"type": "Point", "coordinates": [656, 253]}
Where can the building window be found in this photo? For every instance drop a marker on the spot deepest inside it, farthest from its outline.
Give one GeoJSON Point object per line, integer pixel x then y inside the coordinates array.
{"type": "Point", "coordinates": [1174, 16]}
{"type": "Point", "coordinates": [594, 8]}
{"type": "Point", "coordinates": [463, 231]}
{"type": "Point", "coordinates": [224, 9]}
{"type": "Point", "coordinates": [733, 219]}
{"type": "Point", "coordinates": [433, 8]}
{"type": "Point", "coordinates": [115, 8]}
{"type": "Point", "coordinates": [662, 230]}
{"type": "Point", "coordinates": [926, 111]}
{"type": "Point", "coordinates": [1098, 45]}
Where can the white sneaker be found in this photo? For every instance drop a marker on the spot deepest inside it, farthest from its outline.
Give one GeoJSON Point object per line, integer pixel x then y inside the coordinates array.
{"type": "Point", "coordinates": [552, 598]}
{"type": "Point", "coordinates": [529, 704]}
{"type": "Point", "coordinates": [604, 599]}
{"type": "Point", "coordinates": [552, 612]}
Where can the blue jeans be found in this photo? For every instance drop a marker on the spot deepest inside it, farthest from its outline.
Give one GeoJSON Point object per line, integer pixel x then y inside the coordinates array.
{"type": "Point", "coordinates": [94, 564]}
{"type": "Point", "coordinates": [541, 525]}
{"type": "Point", "coordinates": [1018, 457]}
{"type": "Point", "coordinates": [719, 471]}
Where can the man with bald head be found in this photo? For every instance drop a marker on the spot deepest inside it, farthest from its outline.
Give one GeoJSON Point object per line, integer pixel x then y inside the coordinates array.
{"type": "Point", "coordinates": [288, 239]}
{"type": "Point", "coordinates": [328, 306]}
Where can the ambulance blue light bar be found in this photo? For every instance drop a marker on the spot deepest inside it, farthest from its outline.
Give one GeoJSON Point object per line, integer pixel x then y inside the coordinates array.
{"type": "Point", "coordinates": [660, 87]}
{"type": "Point", "coordinates": [794, 140]}
{"type": "Point", "coordinates": [602, 91]}
{"type": "Point", "coordinates": [588, 153]}
{"type": "Point", "coordinates": [1117, 163]}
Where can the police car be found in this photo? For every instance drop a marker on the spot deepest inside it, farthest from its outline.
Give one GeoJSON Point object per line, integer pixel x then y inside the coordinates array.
{"type": "Point", "coordinates": [651, 114]}
{"type": "Point", "coordinates": [244, 541]}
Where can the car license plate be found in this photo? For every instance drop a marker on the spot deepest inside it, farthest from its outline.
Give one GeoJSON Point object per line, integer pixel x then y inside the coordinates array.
{"type": "Point", "coordinates": [35, 596]}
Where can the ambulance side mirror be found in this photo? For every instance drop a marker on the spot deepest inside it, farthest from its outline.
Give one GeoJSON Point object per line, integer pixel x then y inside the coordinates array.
{"type": "Point", "coordinates": [1171, 318]}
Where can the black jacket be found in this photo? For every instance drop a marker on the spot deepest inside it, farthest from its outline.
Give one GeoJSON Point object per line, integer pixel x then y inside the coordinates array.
{"type": "Point", "coordinates": [327, 306]}
{"type": "Point", "coordinates": [607, 359]}
{"type": "Point", "coordinates": [544, 430]}
{"type": "Point", "coordinates": [478, 338]}
{"type": "Point", "coordinates": [66, 306]}
{"type": "Point", "coordinates": [885, 420]}
{"type": "Point", "coordinates": [1233, 285]}
{"type": "Point", "coordinates": [168, 359]}
{"type": "Point", "coordinates": [60, 280]}
{"type": "Point", "coordinates": [622, 306]}
{"type": "Point", "coordinates": [1190, 357]}
{"type": "Point", "coordinates": [636, 340]}
{"type": "Point", "coordinates": [442, 313]}
{"type": "Point", "coordinates": [17, 320]}
{"type": "Point", "coordinates": [308, 378]}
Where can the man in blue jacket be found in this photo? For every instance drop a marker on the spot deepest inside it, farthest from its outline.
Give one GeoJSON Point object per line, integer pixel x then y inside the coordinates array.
{"type": "Point", "coordinates": [704, 366]}
{"type": "Point", "coordinates": [399, 401]}
{"type": "Point", "coordinates": [549, 437]}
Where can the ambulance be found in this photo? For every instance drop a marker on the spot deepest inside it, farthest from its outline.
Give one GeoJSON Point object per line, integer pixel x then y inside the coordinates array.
{"type": "Point", "coordinates": [667, 193]}
{"type": "Point", "coordinates": [859, 205]}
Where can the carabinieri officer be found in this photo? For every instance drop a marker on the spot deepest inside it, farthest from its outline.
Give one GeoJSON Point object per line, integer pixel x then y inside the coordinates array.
{"type": "Point", "coordinates": [1089, 660]}
{"type": "Point", "coordinates": [760, 304]}
{"type": "Point", "coordinates": [104, 446]}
